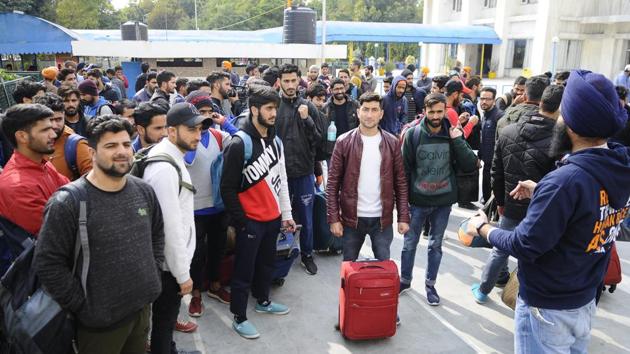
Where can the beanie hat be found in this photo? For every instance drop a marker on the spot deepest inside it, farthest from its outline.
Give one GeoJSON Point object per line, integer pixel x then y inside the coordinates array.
{"type": "Point", "coordinates": [199, 99]}
{"type": "Point", "coordinates": [50, 73]}
{"type": "Point", "coordinates": [88, 87]}
{"type": "Point", "coordinates": [590, 105]}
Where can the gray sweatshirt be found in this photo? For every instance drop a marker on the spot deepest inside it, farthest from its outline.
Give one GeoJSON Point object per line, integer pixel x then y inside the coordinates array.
{"type": "Point", "coordinates": [126, 240]}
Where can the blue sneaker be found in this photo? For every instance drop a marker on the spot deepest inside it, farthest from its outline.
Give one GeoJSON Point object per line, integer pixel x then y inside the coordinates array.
{"type": "Point", "coordinates": [403, 288]}
{"type": "Point", "coordinates": [480, 297]}
{"type": "Point", "coordinates": [432, 296]}
{"type": "Point", "coordinates": [272, 308]}
{"type": "Point", "coordinates": [246, 329]}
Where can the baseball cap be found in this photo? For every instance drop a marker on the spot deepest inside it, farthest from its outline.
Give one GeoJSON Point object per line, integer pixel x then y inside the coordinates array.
{"type": "Point", "coordinates": [185, 113]}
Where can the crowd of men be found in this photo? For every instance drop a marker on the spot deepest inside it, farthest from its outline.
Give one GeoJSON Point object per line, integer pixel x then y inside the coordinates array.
{"type": "Point", "coordinates": [211, 163]}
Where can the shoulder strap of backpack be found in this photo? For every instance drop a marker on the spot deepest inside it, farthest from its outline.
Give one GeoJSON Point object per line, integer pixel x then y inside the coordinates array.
{"type": "Point", "coordinates": [70, 152]}
{"type": "Point", "coordinates": [218, 137]}
{"type": "Point", "coordinates": [247, 142]}
{"type": "Point", "coordinates": [78, 190]}
{"type": "Point", "coordinates": [415, 137]}
{"type": "Point", "coordinates": [168, 159]}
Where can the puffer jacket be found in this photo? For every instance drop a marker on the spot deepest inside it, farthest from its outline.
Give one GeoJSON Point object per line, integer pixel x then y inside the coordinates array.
{"type": "Point", "coordinates": [300, 137]}
{"type": "Point", "coordinates": [521, 153]}
{"type": "Point", "coordinates": [514, 114]}
{"type": "Point", "coordinates": [343, 180]}
{"type": "Point", "coordinates": [488, 135]}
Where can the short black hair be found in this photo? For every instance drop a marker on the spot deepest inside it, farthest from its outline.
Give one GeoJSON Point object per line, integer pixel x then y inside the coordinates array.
{"type": "Point", "coordinates": [258, 96]}
{"type": "Point", "coordinates": [622, 92]}
{"type": "Point", "coordinates": [151, 75]}
{"type": "Point", "coordinates": [551, 97]}
{"type": "Point", "coordinates": [440, 80]}
{"type": "Point", "coordinates": [180, 82]}
{"type": "Point", "coordinates": [195, 85]}
{"type": "Point", "coordinates": [216, 76]}
{"type": "Point", "coordinates": [126, 103]}
{"type": "Point", "coordinates": [262, 67]}
{"type": "Point", "coordinates": [324, 65]}
{"type": "Point", "coordinates": [492, 90]}
{"type": "Point", "coordinates": [288, 68]}
{"type": "Point", "coordinates": [65, 91]}
{"type": "Point", "coordinates": [453, 86]}
{"type": "Point", "coordinates": [95, 73]}
{"type": "Point", "coordinates": [271, 75]}
{"type": "Point", "coordinates": [337, 82]}
{"type": "Point", "coordinates": [110, 71]}
{"type": "Point", "coordinates": [250, 68]}
{"type": "Point", "coordinates": [473, 81]}
{"type": "Point", "coordinates": [164, 76]}
{"type": "Point", "coordinates": [388, 79]}
{"type": "Point", "coordinates": [562, 75]}
{"type": "Point", "coordinates": [144, 67]}
{"type": "Point", "coordinates": [117, 67]}
{"type": "Point", "coordinates": [371, 97]}
{"type": "Point", "coordinates": [63, 73]}
{"type": "Point", "coordinates": [316, 90]}
{"type": "Point", "coordinates": [23, 117]}
{"type": "Point", "coordinates": [534, 87]}
{"type": "Point", "coordinates": [144, 113]}
{"type": "Point", "coordinates": [343, 71]}
{"type": "Point", "coordinates": [434, 98]}
{"type": "Point", "coordinates": [108, 123]}
{"type": "Point", "coordinates": [27, 89]}
{"type": "Point", "coordinates": [520, 80]}
{"type": "Point", "coordinates": [369, 67]}
{"type": "Point", "coordinates": [50, 100]}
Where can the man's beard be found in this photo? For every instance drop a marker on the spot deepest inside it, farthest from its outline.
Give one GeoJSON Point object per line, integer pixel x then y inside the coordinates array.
{"type": "Point", "coordinates": [435, 123]}
{"type": "Point", "coordinates": [339, 96]}
{"type": "Point", "coordinates": [70, 111]}
{"type": "Point", "coordinates": [150, 141]}
{"type": "Point", "coordinates": [264, 123]}
{"type": "Point", "coordinates": [113, 171]}
{"type": "Point", "coordinates": [223, 93]}
{"type": "Point", "coordinates": [560, 142]}
{"type": "Point", "coordinates": [40, 149]}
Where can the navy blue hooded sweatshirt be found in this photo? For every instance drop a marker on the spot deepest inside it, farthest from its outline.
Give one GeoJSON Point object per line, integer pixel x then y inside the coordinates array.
{"type": "Point", "coordinates": [563, 244]}
{"type": "Point", "coordinates": [395, 109]}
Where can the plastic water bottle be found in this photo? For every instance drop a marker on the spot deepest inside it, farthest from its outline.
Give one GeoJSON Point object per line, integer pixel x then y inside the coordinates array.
{"type": "Point", "coordinates": [332, 131]}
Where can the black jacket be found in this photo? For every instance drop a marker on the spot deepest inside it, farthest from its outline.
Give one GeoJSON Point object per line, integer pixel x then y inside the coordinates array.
{"type": "Point", "coordinates": [521, 153]}
{"type": "Point", "coordinates": [351, 113]}
{"type": "Point", "coordinates": [488, 134]}
{"type": "Point", "coordinates": [162, 98]}
{"type": "Point", "coordinates": [300, 137]}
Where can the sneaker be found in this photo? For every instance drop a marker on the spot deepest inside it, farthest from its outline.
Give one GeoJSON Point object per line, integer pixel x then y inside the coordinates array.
{"type": "Point", "coordinates": [404, 287]}
{"type": "Point", "coordinates": [221, 294]}
{"type": "Point", "coordinates": [185, 326]}
{"type": "Point", "coordinates": [501, 284]}
{"type": "Point", "coordinates": [468, 205]}
{"type": "Point", "coordinates": [272, 308]}
{"type": "Point", "coordinates": [309, 265]}
{"type": "Point", "coordinates": [246, 330]}
{"type": "Point", "coordinates": [480, 297]}
{"type": "Point", "coordinates": [432, 296]}
{"type": "Point", "coordinates": [195, 309]}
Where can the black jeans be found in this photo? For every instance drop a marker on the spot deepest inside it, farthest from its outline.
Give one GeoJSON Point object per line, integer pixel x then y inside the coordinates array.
{"type": "Point", "coordinates": [165, 311]}
{"type": "Point", "coordinates": [486, 187]}
{"type": "Point", "coordinates": [254, 263]}
{"type": "Point", "coordinates": [211, 239]}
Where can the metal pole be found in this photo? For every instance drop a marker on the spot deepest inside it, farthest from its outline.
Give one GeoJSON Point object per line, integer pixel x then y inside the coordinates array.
{"type": "Point", "coordinates": [554, 50]}
{"type": "Point", "coordinates": [483, 49]}
{"type": "Point", "coordinates": [196, 24]}
{"type": "Point", "coordinates": [323, 31]}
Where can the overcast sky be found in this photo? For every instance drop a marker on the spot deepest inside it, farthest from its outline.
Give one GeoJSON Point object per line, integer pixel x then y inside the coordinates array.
{"type": "Point", "coordinates": [119, 4]}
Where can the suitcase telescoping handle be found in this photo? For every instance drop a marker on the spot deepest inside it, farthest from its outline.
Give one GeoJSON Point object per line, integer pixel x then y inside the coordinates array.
{"type": "Point", "coordinates": [370, 260]}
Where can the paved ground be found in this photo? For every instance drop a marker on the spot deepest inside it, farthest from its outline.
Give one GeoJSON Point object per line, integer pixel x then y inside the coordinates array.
{"type": "Point", "coordinates": [458, 325]}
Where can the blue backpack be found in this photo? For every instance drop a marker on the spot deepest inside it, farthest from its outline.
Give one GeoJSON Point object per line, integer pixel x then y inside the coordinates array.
{"type": "Point", "coordinates": [70, 151]}
{"type": "Point", "coordinates": [216, 169]}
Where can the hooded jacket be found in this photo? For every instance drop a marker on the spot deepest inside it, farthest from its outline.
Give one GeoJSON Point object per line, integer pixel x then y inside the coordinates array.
{"type": "Point", "coordinates": [395, 109]}
{"type": "Point", "coordinates": [300, 137]}
{"type": "Point", "coordinates": [256, 189]}
{"type": "Point", "coordinates": [563, 244]}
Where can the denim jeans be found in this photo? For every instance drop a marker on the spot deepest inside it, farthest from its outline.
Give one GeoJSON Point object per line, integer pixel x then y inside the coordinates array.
{"type": "Point", "coordinates": [353, 239]}
{"type": "Point", "coordinates": [302, 194]}
{"type": "Point", "coordinates": [496, 266]}
{"type": "Point", "coordinates": [438, 218]}
{"type": "Point", "coordinates": [546, 331]}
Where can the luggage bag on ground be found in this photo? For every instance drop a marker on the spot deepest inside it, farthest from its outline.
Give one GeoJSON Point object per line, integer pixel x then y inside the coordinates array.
{"type": "Point", "coordinates": [368, 299]}
{"type": "Point", "coordinates": [613, 273]}
{"type": "Point", "coordinates": [323, 239]}
{"type": "Point", "coordinates": [288, 249]}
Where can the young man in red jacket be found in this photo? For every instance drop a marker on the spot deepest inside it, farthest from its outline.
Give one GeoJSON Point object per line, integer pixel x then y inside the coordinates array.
{"type": "Point", "coordinates": [28, 179]}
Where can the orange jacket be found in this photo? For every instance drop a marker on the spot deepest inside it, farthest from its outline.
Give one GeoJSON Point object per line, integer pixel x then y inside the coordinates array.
{"type": "Point", "coordinates": [58, 159]}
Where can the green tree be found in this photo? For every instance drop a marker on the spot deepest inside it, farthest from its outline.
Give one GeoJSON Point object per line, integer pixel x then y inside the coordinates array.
{"type": "Point", "coordinates": [40, 8]}
{"type": "Point", "coordinates": [167, 14]}
{"type": "Point", "coordinates": [82, 14]}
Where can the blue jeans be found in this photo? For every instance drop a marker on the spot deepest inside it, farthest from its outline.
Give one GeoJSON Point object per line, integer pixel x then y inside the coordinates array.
{"type": "Point", "coordinates": [353, 239]}
{"type": "Point", "coordinates": [496, 266]}
{"type": "Point", "coordinates": [546, 331]}
{"type": "Point", "coordinates": [438, 218]}
{"type": "Point", "coordinates": [302, 194]}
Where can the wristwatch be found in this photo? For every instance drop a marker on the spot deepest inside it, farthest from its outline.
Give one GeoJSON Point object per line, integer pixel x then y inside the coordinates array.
{"type": "Point", "coordinates": [479, 225]}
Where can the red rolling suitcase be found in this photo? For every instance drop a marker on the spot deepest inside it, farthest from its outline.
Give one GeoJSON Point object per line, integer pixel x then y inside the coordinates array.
{"type": "Point", "coordinates": [613, 273]}
{"type": "Point", "coordinates": [368, 299]}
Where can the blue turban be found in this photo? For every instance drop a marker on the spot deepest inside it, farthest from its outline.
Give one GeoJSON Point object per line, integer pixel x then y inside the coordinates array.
{"type": "Point", "coordinates": [591, 107]}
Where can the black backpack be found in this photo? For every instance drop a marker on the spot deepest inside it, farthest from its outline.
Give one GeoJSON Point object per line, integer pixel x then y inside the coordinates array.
{"type": "Point", "coordinates": [141, 160]}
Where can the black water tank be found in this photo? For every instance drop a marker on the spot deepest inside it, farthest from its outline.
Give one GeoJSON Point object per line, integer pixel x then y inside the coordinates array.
{"type": "Point", "coordinates": [134, 31]}
{"type": "Point", "coordinates": [300, 25]}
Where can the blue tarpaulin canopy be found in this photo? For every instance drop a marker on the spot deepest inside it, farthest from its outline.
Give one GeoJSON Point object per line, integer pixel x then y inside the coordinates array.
{"type": "Point", "coordinates": [24, 34]}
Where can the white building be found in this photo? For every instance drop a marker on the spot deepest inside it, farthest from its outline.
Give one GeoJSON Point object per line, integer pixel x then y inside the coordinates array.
{"type": "Point", "coordinates": [587, 34]}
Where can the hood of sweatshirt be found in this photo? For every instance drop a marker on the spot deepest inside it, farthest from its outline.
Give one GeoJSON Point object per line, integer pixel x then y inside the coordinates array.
{"type": "Point", "coordinates": [392, 90]}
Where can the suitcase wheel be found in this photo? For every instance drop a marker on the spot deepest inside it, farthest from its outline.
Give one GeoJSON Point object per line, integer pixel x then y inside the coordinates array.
{"type": "Point", "coordinates": [612, 288]}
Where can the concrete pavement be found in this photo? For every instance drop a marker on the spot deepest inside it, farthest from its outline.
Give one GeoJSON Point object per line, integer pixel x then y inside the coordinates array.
{"type": "Point", "coordinates": [458, 325]}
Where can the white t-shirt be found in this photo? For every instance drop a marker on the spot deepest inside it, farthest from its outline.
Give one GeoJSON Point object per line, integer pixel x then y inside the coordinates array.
{"type": "Point", "coordinates": [369, 203]}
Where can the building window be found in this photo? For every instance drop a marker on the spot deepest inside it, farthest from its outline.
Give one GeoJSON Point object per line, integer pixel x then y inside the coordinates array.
{"type": "Point", "coordinates": [517, 50]}
{"type": "Point", "coordinates": [457, 5]}
{"type": "Point", "coordinates": [180, 62]}
{"type": "Point", "coordinates": [569, 55]}
{"type": "Point", "coordinates": [490, 3]}
{"type": "Point", "coordinates": [452, 51]}
{"type": "Point", "coordinates": [626, 53]}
